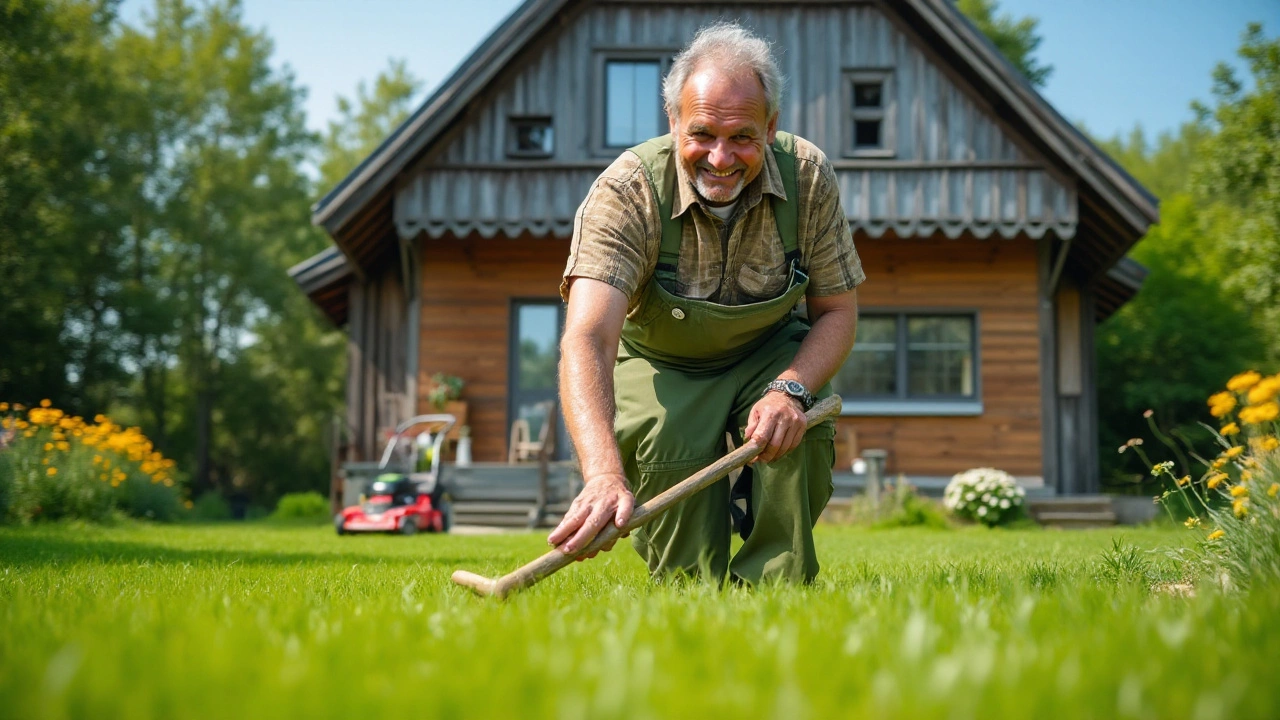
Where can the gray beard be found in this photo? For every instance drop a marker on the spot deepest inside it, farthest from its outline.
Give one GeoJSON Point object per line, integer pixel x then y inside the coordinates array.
{"type": "Point", "coordinates": [705, 195]}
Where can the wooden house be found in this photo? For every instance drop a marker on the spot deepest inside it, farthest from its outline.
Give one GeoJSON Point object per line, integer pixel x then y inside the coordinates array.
{"type": "Point", "coordinates": [992, 232]}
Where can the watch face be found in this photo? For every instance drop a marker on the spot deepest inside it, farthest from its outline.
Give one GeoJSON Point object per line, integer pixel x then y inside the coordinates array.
{"type": "Point", "coordinates": [794, 387]}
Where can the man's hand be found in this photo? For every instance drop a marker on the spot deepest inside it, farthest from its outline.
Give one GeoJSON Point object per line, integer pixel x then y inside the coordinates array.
{"type": "Point", "coordinates": [777, 423]}
{"type": "Point", "coordinates": [604, 499]}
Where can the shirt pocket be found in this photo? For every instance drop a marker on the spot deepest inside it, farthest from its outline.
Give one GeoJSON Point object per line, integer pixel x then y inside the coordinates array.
{"type": "Point", "coordinates": [763, 283]}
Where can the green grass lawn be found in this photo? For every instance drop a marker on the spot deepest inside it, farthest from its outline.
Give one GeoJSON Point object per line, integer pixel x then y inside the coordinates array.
{"type": "Point", "coordinates": [256, 621]}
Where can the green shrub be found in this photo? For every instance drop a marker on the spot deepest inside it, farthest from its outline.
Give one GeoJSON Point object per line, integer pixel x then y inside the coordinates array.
{"type": "Point", "coordinates": [210, 507]}
{"type": "Point", "coordinates": [307, 506]}
{"type": "Point", "coordinates": [911, 510]}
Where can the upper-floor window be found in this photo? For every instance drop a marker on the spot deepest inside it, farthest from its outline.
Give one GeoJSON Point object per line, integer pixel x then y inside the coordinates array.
{"type": "Point", "coordinates": [912, 363]}
{"type": "Point", "coordinates": [632, 100]}
{"type": "Point", "coordinates": [868, 130]}
{"type": "Point", "coordinates": [530, 137]}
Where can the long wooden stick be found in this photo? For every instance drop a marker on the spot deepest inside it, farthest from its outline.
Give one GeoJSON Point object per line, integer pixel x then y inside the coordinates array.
{"type": "Point", "coordinates": [704, 478]}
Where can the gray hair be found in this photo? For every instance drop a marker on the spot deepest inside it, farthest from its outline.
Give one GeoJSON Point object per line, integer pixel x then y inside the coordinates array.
{"type": "Point", "coordinates": [732, 48]}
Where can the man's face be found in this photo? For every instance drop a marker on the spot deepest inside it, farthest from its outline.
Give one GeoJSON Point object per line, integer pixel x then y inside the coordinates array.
{"type": "Point", "coordinates": [722, 132]}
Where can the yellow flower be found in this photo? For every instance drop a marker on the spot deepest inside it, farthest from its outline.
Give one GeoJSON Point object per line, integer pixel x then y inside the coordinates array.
{"type": "Point", "coordinates": [1216, 479]}
{"type": "Point", "coordinates": [1221, 404]}
{"type": "Point", "coordinates": [1239, 491]}
{"type": "Point", "coordinates": [1275, 488]}
{"type": "Point", "coordinates": [1192, 522]}
{"type": "Point", "coordinates": [1216, 534]}
{"type": "Point", "coordinates": [1258, 414]}
{"type": "Point", "coordinates": [19, 407]}
{"type": "Point", "coordinates": [1184, 480]}
{"type": "Point", "coordinates": [1233, 451]}
{"type": "Point", "coordinates": [48, 447]}
{"type": "Point", "coordinates": [22, 424]}
{"type": "Point", "coordinates": [1265, 391]}
{"type": "Point", "coordinates": [29, 434]}
{"type": "Point", "coordinates": [1218, 463]}
{"type": "Point", "coordinates": [52, 471]}
{"type": "Point", "coordinates": [1240, 506]}
{"type": "Point", "coordinates": [188, 504]}
{"type": "Point", "coordinates": [4, 407]}
{"type": "Point", "coordinates": [1230, 429]}
{"type": "Point", "coordinates": [45, 403]}
{"type": "Point", "coordinates": [64, 446]}
{"type": "Point", "coordinates": [1244, 380]}
{"type": "Point", "coordinates": [1245, 476]}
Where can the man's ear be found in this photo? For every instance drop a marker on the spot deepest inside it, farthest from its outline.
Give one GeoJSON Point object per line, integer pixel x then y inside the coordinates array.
{"type": "Point", "coordinates": [772, 128]}
{"type": "Point", "coordinates": [671, 123]}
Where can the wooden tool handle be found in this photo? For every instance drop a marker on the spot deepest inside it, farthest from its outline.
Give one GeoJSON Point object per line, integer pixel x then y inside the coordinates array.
{"type": "Point", "coordinates": [555, 559]}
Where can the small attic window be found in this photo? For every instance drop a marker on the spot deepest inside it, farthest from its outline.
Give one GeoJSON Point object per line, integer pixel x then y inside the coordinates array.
{"type": "Point", "coordinates": [868, 129]}
{"type": "Point", "coordinates": [530, 137]}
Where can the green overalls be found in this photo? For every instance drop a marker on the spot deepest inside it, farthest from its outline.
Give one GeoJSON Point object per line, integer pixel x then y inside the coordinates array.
{"type": "Point", "coordinates": [690, 370]}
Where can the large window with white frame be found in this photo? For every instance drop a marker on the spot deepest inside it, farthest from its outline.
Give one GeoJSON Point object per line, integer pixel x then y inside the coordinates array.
{"type": "Point", "coordinates": [912, 363]}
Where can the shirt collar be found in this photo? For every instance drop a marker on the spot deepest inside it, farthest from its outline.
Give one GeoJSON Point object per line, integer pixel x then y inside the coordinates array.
{"type": "Point", "coordinates": [768, 181]}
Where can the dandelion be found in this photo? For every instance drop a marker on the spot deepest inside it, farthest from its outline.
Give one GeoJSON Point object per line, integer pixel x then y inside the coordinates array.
{"type": "Point", "coordinates": [1215, 480]}
{"type": "Point", "coordinates": [1221, 404]}
{"type": "Point", "coordinates": [1216, 534]}
{"type": "Point", "coordinates": [1230, 429]}
{"type": "Point", "coordinates": [1240, 506]}
{"type": "Point", "coordinates": [1244, 381]}
{"type": "Point", "coordinates": [1192, 522]}
{"type": "Point", "coordinates": [1184, 480]}
{"type": "Point", "coordinates": [1265, 391]}
{"type": "Point", "coordinates": [1239, 491]}
{"type": "Point", "coordinates": [1258, 414]}
{"type": "Point", "coordinates": [1273, 490]}
{"type": "Point", "coordinates": [51, 471]}
{"type": "Point", "coordinates": [1233, 452]}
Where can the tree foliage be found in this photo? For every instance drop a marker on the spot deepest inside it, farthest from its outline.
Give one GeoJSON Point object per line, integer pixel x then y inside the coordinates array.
{"type": "Point", "coordinates": [1209, 308]}
{"type": "Point", "coordinates": [1016, 38]}
{"type": "Point", "coordinates": [363, 123]}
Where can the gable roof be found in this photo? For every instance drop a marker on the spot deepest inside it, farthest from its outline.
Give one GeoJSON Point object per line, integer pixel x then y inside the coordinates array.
{"type": "Point", "coordinates": [1115, 210]}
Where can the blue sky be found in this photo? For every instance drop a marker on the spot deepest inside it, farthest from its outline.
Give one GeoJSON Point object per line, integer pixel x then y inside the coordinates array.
{"type": "Point", "coordinates": [1117, 63]}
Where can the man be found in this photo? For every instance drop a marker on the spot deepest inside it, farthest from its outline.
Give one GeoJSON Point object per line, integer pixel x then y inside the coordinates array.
{"type": "Point", "coordinates": [689, 255]}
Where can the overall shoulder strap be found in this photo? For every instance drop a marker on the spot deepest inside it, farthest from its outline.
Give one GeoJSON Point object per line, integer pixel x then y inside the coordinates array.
{"type": "Point", "coordinates": [658, 158]}
{"type": "Point", "coordinates": [787, 213]}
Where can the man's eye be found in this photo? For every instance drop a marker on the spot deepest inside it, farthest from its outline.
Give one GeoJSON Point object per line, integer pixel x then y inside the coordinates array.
{"type": "Point", "coordinates": [742, 138]}
{"type": "Point", "coordinates": [702, 136]}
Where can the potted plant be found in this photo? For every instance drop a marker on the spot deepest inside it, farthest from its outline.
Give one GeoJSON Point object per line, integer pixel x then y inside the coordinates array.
{"type": "Point", "coordinates": [445, 395]}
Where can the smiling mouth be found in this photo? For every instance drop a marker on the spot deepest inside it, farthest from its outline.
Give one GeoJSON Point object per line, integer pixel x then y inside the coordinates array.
{"type": "Point", "coordinates": [719, 173]}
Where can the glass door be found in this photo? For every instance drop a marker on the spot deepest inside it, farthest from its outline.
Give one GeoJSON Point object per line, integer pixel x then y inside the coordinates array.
{"type": "Point", "coordinates": [534, 361]}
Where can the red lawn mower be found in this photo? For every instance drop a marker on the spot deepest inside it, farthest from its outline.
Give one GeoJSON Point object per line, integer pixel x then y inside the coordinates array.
{"type": "Point", "coordinates": [405, 502]}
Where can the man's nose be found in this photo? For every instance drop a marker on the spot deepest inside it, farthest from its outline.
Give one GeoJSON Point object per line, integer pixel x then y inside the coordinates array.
{"type": "Point", "coordinates": [721, 156]}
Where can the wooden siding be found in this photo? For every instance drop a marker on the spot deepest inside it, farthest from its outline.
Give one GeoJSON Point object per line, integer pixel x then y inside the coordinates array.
{"type": "Point", "coordinates": [998, 279]}
{"type": "Point", "coordinates": [956, 169]}
{"type": "Point", "coordinates": [468, 286]}
{"type": "Point", "coordinates": [377, 341]}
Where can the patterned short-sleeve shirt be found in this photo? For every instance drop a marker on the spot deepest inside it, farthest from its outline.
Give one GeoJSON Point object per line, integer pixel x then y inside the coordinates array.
{"type": "Point", "coordinates": [617, 234]}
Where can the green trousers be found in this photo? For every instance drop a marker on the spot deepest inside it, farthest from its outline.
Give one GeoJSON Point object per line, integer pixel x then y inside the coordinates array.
{"type": "Point", "coordinates": [671, 423]}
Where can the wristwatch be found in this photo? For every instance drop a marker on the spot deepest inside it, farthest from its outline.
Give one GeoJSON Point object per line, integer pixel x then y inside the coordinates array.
{"type": "Point", "coordinates": [794, 389]}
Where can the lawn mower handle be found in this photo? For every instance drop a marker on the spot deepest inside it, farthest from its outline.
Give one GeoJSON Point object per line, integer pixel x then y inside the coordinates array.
{"type": "Point", "coordinates": [704, 478]}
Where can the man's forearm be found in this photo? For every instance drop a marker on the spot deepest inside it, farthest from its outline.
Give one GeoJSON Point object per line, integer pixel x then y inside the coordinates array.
{"type": "Point", "coordinates": [586, 393]}
{"type": "Point", "coordinates": [825, 348]}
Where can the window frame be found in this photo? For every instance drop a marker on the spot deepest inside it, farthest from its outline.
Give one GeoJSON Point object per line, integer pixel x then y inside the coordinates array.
{"type": "Point", "coordinates": [514, 152]}
{"type": "Point", "coordinates": [599, 123]}
{"type": "Point", "coordinates": [886, 113]}
{"type": "Point", "coordinates": [901, 403]}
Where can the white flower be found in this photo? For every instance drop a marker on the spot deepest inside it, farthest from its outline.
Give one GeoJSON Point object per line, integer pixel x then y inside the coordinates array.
{"type": "Point", "coordinates": [986, 497]}
{"type": "Point", "coordinates": [1004, 504]}
{"type": "Point", "coordinates": [970, 496]}
{"type": "Point", "coordinates": [982, 511]}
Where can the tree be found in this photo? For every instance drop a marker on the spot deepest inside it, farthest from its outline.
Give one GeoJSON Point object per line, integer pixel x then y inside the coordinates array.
{"type": "Point", "coordinates": [1240, 168]}
{"type": "Point", "coordinates": [1016, 39]}
{"type": "Point", "coordinates": [365, 122]}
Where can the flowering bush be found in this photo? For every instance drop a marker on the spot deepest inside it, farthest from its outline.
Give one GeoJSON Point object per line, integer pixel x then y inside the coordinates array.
{"type": "Point", "coordinates": [984, 495]}
{"type": "Point", "coordinates": [1234, 499]}
{"type": "Point", "coordinates": [53, 466]}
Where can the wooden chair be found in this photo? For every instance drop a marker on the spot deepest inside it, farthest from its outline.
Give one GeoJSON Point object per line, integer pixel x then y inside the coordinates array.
{"type": "Point", "coordinates": [521, 448]}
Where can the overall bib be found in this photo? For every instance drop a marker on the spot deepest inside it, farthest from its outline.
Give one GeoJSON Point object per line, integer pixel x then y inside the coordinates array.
{"type": "Point", "coordinates": [689, 371]}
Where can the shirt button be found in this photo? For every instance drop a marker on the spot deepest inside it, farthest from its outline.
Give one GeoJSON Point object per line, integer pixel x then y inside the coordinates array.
{"type": "Point", "coordinates": [677, 313]}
